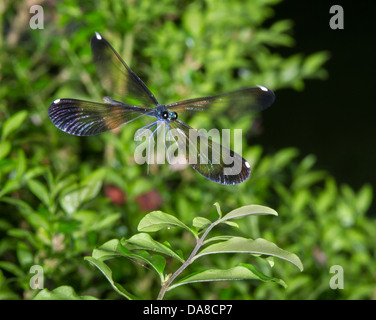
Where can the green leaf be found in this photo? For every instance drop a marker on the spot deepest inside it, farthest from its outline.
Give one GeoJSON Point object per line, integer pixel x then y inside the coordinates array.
{"type": "Point", "coordinates": [13, 123]}
{"type": "Point", "coordinates": [22, 206]}
{"type": "Point", "coordinates": [283, 157]}
{"type": "Point", "coordinates": [5, 147]}
{"type": "Point", "coordinates": [201, 222]}
{"type": "Point", "coordinates": [308, 179]}
{"type": "Point", "coordinates": [314, 62]}
{"type": "Point", "coordinates": [92, 185]}
{"type": "Point", "coordinates": [218, 209]}
{"type": "Point", "coordinates": [114, 248]}
{"type": "Point", "coordinates": [34, 172]}
{"type": "Point", "coordinates": [157, 220]}
{"type": "Point", "coordinates": [107, 272]}
{"type": "Point", "coordinates": [248, 210]}
{"type": "Point", "coordinates": [24, 255]}
{"type": "Point", "coordinates": [37, 221]}
{"type": "Point", "coordinates": [21, 164]}
{"type": "Point", "coordinates": [39, 190]}
{"type": "Point", "coordinates": [364, 198]}
{"type": "Point", "coordinates": [231, 224]}
{"type": "Point", "coordinates": [61, 184]}
{"type": "Point", "coordinates": [61, 293]}
{"type": "Point", "coordinates": [193, 20]}
{"type": "Point", "coordinates": [258, 246]}
{"type": "Point", "coordinates": [241, 271]}
{"type": "Point", "coordinates": [156, 261]}
{"type": "Point", "coordinates": [66, 225]}
{"type": "Point", "coordinates": [105, 222]}
{"type": "Point", "coordinates": [143, 241]}
{"type": "Point", "coordinates": [218, 238]}
{"type": "Point", "coordinates": [24, 235]}
{"type": "Point", "coordinates": [85, 191]}
{"type": "Point", "coordinates": [5, 224]}
{"type": "Point", "coordinates": [108, 250]}
{"type": "Point", "coordinates": [12, 268]}
{"type": "Point", "coordinates": [70, 201]}
{"type": "Point", "coordinates": [10, 186]}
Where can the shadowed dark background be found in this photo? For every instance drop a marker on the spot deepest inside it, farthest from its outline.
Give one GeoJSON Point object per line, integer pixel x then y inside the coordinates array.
{"type": "Point", "coordinates": [333, 119]}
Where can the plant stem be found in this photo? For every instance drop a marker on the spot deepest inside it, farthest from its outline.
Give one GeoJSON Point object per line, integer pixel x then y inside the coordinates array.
{"type": "Point", "coordinates": [199, 244]}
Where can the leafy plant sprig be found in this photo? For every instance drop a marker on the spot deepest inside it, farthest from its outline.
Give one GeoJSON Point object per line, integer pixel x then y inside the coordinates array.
{"type": "Point", "coordinates": [142, 247]}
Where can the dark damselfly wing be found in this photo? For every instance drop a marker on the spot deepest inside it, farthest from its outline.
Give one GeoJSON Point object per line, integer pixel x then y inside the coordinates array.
{"type": "Point", "coordinates": [115, 75]}
{"type": "Point", "coordinates": [247, 100]}
{"type": "Point", "coordinates": [214, 161]}
{"type": "Point", "coordinates": [85, 118]}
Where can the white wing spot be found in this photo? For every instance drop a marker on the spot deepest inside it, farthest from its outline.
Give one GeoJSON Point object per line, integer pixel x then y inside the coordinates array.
{"type": "Point", "coordinates": [263, 88]}
{"type": "Point", "coordinates": [57, 101]}
{"type": "Point", "coordinates": [98, 36]}
{"type": "Point", "coordinates": [247, 165]}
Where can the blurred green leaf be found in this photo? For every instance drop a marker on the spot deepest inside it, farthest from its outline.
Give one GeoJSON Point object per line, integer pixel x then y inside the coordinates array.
{"type": "Point", "coordinates": [13, 123]}
{"type": "Point", "coordinates": [92, 184]}
{"type": "Point", "coordinates": [24, 255]}
{"type": "Point", "coordinates": [308, 179]}
{"type": "Point", "coordinates": [61, 293]}
{"type": "Point", "coordinates": [20, 164]}
{"type": "Point", "coordinates": [34, 172]}
{"type": "Point", "coordinates": [105, 222]}
{"type": "Point", "coordinates": [86, 190]}
{"type": "Point", "coordinates": [5, 147]}
{"type": "Point", "coordinates": [12, 268]}
{"type": "Point", "coordinates": [40, 191]}
{"type": "Point", "coordinates": [193, 20]}
{"type": "Point", "coordinates": [24, 235]}
{"type": "Point", "coordinates": [314, 62]}
{"type": "Point", "coordinates": [10, 186]}
{"type": "Point", "coordinates": [364, 198]}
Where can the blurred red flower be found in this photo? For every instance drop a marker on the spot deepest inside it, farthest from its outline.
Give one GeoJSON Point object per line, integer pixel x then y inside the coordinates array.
{"type": "Point", "coordinates": [149, 201]}
{"type": "Point", "coordinates": [116, 195]}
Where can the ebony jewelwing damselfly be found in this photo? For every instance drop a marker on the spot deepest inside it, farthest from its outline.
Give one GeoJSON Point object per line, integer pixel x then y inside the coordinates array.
{"type": "Point", "coordinates": [85, 118]}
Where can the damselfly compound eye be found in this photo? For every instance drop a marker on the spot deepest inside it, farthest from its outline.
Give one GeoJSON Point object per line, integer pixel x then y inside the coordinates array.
{"type": "Point", "coordinates": [165, 115]}
{"type": "Point", "coordinates": [174, 116]}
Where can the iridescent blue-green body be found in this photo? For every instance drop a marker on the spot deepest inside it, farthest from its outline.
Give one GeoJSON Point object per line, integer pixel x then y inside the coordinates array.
{"type": "Point", "coordinates": [161, 113]}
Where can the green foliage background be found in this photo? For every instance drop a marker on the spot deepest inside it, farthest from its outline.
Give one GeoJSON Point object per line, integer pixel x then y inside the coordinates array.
{"type": "Point", "coordinates": [62, 196]}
